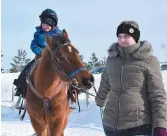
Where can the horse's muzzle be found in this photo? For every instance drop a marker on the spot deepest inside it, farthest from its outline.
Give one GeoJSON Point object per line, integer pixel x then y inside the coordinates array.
{"type": "Point", "coordinates": [88, 82]}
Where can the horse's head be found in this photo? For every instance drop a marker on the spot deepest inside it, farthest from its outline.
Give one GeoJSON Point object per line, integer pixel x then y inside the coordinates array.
{"type": "Point", "coordinates": [67, 61]}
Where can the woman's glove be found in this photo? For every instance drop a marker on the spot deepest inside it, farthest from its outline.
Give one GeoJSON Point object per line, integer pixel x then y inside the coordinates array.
{"type": "Point", "coordinates": [160, 132]}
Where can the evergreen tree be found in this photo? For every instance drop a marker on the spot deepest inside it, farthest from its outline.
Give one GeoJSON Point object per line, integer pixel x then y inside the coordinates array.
{"type": "Point", "coordinates": [94, 62]}
{"type": "Point", "coordinates": [103, 61]}
{"type": "Point", "coordinates": [19, 61]}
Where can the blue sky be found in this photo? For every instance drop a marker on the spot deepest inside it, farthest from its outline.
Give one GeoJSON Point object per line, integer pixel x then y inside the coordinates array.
{"type": "Point", "coordinates": [91, 24]}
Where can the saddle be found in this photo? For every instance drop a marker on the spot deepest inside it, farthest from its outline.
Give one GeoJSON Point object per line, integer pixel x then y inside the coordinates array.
{"type": "Point", "coordinates": [21, 85]}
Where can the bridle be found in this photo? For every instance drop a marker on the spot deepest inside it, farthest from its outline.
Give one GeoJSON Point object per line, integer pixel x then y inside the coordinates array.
{"type": "Point", "coordinates": [58, 68]}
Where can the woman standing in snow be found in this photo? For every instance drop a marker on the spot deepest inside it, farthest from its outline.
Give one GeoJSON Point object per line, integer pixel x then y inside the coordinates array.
{"type": "Point", "coordinates": [132, 88]}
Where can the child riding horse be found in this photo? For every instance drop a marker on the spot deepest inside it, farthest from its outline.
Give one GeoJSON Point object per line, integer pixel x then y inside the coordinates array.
{"type": "Point", "coordinates": [59, 67]}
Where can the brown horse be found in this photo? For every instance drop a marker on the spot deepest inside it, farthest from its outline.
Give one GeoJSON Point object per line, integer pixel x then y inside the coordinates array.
{"type": "Point", "coordinates": [58, 68]}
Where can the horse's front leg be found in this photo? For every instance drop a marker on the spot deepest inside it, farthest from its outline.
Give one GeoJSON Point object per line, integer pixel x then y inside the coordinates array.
{"type": "Point", "coordinates": [40, 128]}
{"type": "Point", "coordinates": [56, 128]}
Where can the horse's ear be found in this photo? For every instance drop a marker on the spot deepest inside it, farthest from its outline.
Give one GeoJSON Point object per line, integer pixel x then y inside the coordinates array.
{"type": "Point", "coordinates": [65, 34]}
{"type": "Point", "coordinates": [48, 39]}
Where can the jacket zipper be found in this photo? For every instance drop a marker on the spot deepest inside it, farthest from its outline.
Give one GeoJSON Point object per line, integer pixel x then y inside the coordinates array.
{"type": "Point", "coordinates": [122, 68]}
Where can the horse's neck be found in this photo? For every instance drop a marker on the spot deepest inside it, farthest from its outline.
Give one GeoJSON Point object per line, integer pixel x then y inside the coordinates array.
{"type": "Point", "coordinates": [45, 78]}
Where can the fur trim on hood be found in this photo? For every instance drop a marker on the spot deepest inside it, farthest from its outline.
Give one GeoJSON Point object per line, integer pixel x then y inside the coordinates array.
{"type": "Point", "coordinates": [144, 51]}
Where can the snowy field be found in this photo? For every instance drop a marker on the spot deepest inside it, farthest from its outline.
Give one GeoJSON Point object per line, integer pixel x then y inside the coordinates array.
{"type": "Point", "coordinates": [86, 123]}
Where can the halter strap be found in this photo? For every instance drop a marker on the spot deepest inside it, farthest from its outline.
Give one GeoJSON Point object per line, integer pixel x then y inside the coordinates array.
{"type": "Point", "coordinates": [70, 76]}
{"type": "Point", "coordinates": [76, 72]}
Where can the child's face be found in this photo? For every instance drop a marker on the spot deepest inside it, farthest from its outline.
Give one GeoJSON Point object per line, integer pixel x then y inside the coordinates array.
{"type": "Point", "coordinates": [46, 27]}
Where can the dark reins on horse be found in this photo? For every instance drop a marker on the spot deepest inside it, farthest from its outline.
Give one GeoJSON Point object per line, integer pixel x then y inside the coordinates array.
{"type": "Point", "coordinates": [59, 69]}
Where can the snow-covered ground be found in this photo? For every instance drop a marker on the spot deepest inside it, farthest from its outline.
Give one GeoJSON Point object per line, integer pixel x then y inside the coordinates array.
{"type": "Point", "coordinates": [86, 123]}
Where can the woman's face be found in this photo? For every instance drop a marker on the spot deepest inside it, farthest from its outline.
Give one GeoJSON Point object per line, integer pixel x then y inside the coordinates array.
{"type": "Point", "coordinates": [125, 40]}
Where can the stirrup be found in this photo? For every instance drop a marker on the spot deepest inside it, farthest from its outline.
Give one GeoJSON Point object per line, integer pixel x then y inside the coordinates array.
{"type": "Point", "coordinates": [19, 104]}
{"type": "Point", "coordinates": [72, 105]}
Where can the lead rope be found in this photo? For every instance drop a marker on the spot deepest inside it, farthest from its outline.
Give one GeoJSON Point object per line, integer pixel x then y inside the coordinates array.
{"type": "Point", "coordinates": [101, 109]}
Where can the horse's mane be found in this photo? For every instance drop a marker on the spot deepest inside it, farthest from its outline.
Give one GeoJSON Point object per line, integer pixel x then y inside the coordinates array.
{"type": "Point", "coordinates": [54, 40]}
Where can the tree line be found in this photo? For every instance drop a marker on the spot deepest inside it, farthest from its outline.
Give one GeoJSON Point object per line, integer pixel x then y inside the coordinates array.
{"type": "Point", "coordinates": [21, 60]}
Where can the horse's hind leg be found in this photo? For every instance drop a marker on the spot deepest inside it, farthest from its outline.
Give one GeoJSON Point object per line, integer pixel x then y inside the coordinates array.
{"type": "Point", "coordinates": [40, 128]}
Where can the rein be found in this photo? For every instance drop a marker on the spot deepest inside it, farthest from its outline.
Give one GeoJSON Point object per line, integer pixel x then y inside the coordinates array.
{"type": "Point", "coordinates": [59, 69]}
